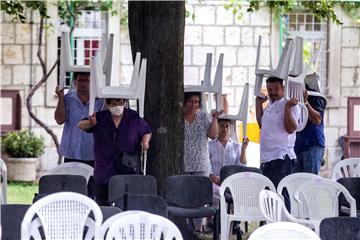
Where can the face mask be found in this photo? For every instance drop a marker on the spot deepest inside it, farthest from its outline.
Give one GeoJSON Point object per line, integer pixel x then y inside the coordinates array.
{"type": "Point", "coordinates": [117, 111]}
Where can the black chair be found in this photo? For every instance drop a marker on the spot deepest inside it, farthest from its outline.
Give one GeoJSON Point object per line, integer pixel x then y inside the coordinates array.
{"type": "Point", "coordinates": [191, 197]}
{"type": "Point", "coordinates": [149, 203]}
{"type": "Point", "coordinates": [339, 228]}
{"type": "Point", "coordinates": [227, 171]}
{"type": "Point", "coordinates": [131, 184]}
{"type": "Point", "coordinates": [11, 218]}
{"type": "Point", "coordinates": [352, 184]}
{"type": "Point", "coordinates": [49, 184]}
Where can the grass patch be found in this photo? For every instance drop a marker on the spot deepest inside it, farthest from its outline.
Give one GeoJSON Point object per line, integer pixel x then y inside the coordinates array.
{"type": "Point", "coordinates": [21, 193]}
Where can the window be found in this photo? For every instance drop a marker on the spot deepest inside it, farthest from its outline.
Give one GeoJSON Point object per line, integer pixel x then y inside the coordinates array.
{"type": "Point", "coordinates": [314, 32]}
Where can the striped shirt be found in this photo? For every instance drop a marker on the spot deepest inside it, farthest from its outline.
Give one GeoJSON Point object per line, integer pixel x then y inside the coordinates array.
{"type": "Point", "coordinates": [220, 156]}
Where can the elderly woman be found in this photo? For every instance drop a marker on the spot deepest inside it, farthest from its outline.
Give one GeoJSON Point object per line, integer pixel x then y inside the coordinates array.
{"type": "Point", "coordinates": [117, 131]}
{"type": "Point", "coordinates": [198, 128]}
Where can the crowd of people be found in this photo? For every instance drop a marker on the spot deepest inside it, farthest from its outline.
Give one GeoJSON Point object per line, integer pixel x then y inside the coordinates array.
{"type": "Point", "coordinates": [114, 132]}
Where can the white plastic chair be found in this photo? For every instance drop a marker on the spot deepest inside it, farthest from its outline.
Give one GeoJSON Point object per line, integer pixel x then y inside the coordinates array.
{"type": "Point", "coordinates": [67, 60]}
{"type": "Point", "coordinates": [242, 114]}
{"type": "Point", "coordinates": [3, 182]}
{"type": "Point", "coordinates": [345, 168]}
{"type": "Point", "coordinates": [273, 209]}
{"type": "Point", "coordinates": [321, 199]}
{"type": "Point", "coordinates": [207, 86]}
{"type": "Point", "coordinates": [61, 215]}
{"type": "Point", "coordinates": [244, 188]}
{"type": "Point", "coordinates": [73, 168]}
{"type": "Point", "coordinates": [290, 183]}
{"type": "Point", "coordinates": [98, 88]}
{"type": "Point", "coordinates": [141, 225]}
{"type": "Point", "coordinates": [283, 231]}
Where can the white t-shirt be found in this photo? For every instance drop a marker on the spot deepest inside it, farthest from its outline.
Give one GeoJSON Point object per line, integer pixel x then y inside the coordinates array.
{"type": "Point", "coordinates": [275, 141]}
{"type": "Point", "coordinates": [223, 156]}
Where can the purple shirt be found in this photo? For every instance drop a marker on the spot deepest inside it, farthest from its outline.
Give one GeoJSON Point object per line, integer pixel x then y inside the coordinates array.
{"type": "Point", "coordinates": [110, 142]}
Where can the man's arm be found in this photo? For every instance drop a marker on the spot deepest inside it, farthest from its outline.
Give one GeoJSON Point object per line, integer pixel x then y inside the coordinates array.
{"type": "Point", "coordinates": [289, 122]}
{"type": "Point", "coordinates": [243, 150]}
{"type": "Point", "coordinates": [145, 141]}
{"type": "Point", "coordinates": [314, 116]}
{"type": "Point", "coordinates": [60, 113]}
{"type": "Point", "coordinates": [259, 109]}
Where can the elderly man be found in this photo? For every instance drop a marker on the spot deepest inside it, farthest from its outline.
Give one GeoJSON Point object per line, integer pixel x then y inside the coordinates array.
{"type": "Point", "coordinates": [278, 123]}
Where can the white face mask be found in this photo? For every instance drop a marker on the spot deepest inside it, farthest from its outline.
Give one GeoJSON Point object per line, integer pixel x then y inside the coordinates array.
{"type": "Point", "coordinates": [116, 111]}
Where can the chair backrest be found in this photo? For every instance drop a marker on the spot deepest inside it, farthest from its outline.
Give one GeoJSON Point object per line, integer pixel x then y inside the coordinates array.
{"type": "Point", "coordinates": [11, 217]}
{"type": "Point", "coordinates": [245, 188]}
{"type": "Point", "coordinates": [73, 168]}
{"type": "Point", "coordinates": [148, 203]}
{"type": "Point", "coordinates": [337, 228]}
{"type": "Point", "coordinates": [284, 231]}
{"type": "Point", "coordinates": [321, 198]}
{"type": "Point", "coordinates": [229, 170]}
{"type": "Point", "coordinates": [62, 183]}
{"type": "Point", "coordinates": [272, 206]}
{"type": "Point", "coordinates": [132, 184]}
{"type": "Point", "coordinates": [290, 183]}
{"type": "Point", "coordinates": [141, 226]}
{"type": "Point", "coordinates": [188, 191]}
{"type": "Point", "coordinates": [352, 184]}
{"type": "Point", "coordinates": [3, 182]}
{"type": "Point", "coordinates": [61, 216]}
{"type": "Point", "coordinates": [345, 168]}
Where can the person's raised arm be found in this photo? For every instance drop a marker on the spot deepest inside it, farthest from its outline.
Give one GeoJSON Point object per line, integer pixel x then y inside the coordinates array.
{"type": "Point", "coordinates": [60, 112]}
{"type": "Point", "coordinates": [86, 124]}
{"type": "Point", "coordinates": [314, 116]}
{"type": "Point", "coordinates": [289, 122]}
{"type": "Point", "coordinates": [213, 129]}
{"type": "Point", "coordinates": [259, 109]}
{"type": "Point", "coordinates": [243, 150]}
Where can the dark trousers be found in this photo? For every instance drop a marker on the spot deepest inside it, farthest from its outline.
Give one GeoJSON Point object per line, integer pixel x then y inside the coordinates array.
{"type": "Point", "coordinates": [102, 194]}
{"type": "Point", "coordinates": [276, 170]}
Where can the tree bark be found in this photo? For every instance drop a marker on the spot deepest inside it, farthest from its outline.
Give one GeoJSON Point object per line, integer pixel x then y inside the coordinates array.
{"type": "Point", "coordinates": [157, 31]}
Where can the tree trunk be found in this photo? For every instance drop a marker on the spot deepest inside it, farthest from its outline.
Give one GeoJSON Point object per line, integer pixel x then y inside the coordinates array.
{"type": "Point", "coordinates": [157, 31]}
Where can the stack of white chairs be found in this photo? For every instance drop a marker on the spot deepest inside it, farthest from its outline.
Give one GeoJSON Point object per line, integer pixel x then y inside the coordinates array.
{"type": "Point", "coordinates": [99, 89]}
{"type": "Point", "coordinates": [139, 225]}
{"type": "Point", "coordinates": [62, 215]}
{"type": "Point", "coordinates": [67, 60]}
{"type": "Point", "coordinates": [283, 231]}
{"type": "Point", "coordinates": [3, 182]}
{"type": "Point", "coordinates": [244, 188]}
{"type": "Point", "coordinates": [73, 168]}
{"type": "Point", "coordinates": [349, 167]}
{"type": "Point", "coordinates": [208, 87]}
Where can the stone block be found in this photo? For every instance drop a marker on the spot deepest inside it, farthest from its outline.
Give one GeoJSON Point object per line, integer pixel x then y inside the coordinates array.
{"type": "Point", "coordinates": [126, 73]}
{"type": "Point", "coordinates": [193, 35]}
{"type": "Point", "coordinates": [124, 35]}
{"type": "Point", "coordinates": [247, 56]}
{"type": "Point", "coordinates": [6, 75]}
{"type": "Point", "coordinates": [30, 54]}
{"type": "Point", "coordinates": [227, 76]}
{"type": "Point", "coordinates": [223, 16]}
{"type": "Point", "coordinates": [23, 33]}
{"type": "Point", "coordinates": [350, 77]}
{"type": "Point", "coordinates": [187, 55]}
{"type": "Point", "coordinates": [261, 17]}
{"type": "Point", "coordinates": [350, 57]}
{"type": "Point", "coordinates": [38, 100]}
{"type": "Point", "coordinates": [36, 73]}
{"type": "Point", "coordinates": [13, 54]}
{"type": "Point", "coordinates": [48, 160]}
{"type": "Point", "coordinates": [264, 32]}
{"type": "Point", "coordinates": [348, 92]}
{"type": "Point", "coordinates": [213, 35]}
{"type": "Point", "coordinates": [232, 36]}
{"type": "Point", "coordinates": [331, 136]}
{"type": "Point", "coordinates": [191, 75]}
{"type": "Point", "coordinates": [240, 76]}
{"type": "Point", "coordinates": [337, 117]}
{"type": "Point", "coordinates": [190, 18]}
{"type": "Point", "coordinates": [247, 36]}
{"type": "Point", "coordinates": [251, 76]}
{"type": "Point", "coordinates": [125, 56]}
{"type": "Point", "coordinates": [7, 33]}
{"type": "Point", "coordinates": [199, 55]}
{"type": "Point", "coordinates": [243, 20]}
{"type": "Point", "coordinates": [348, 21]}
{"type": "Point", "coordinates": [350, 37]}
{"type": "Point", "coordinates": [204, 15]}
{"type": "Point", "coordinates": [229, 55]}
{"type": "Point", "coordinates": [46, 114]}
{"type": "Point", "coordinates": [21, 74]}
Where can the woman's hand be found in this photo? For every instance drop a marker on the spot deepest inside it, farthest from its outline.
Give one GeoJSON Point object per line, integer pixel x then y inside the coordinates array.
{"type": "Point", "coordinates": [92, 120]}
{"type": "Point", "coordinates": [145, 142]}
{"type": "Point", "coordinates": [215, 179]}
{"type": "Point", "coordinates": [245, 143]}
